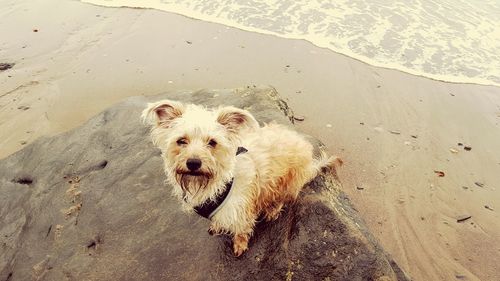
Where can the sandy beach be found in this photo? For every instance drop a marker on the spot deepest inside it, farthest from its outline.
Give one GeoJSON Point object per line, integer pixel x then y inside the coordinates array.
{"type": "Point", "coordinates": [395, 132]}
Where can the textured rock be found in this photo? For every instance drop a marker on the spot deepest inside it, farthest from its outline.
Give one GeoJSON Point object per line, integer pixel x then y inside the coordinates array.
{"type": "Point", "coordinates": [91, 204]}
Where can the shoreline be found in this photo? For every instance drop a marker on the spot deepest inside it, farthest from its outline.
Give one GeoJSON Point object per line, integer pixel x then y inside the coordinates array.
{"type": "Point", "coordinates": [85, 58]}
{"type": "Point", "coordinates": [193, 15]}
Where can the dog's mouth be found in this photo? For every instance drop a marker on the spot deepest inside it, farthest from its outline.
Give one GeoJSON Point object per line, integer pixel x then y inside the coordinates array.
{"type": "Point", "coordinates": [194, 173]}
{"type": "Point", "coordinates": [193, 181]}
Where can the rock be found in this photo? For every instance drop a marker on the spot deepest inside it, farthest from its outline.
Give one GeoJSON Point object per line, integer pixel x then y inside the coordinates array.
{"type": "Point", "coordinates": [91, 204]}
{"type": "Point", "coordinates": [299, 118]}
{"type": "Point", "coordinates": [463, 218]}
{"type": "Point", "coordinates": [468, 148]}
{"type": "Point", "coordinates": [452, 150]}
{"type": "Point", "coordinates": [395, 132]}
{"type": "Point", "coordinates": [439, 173]}
{"type": "Point", "coordinates": [5, 66]}
{"type": "Point", "coordinates": [480, 184]}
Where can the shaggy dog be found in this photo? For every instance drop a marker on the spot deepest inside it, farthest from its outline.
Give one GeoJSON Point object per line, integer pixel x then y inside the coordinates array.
{"type": "Point", "coordinates": [227, 168]}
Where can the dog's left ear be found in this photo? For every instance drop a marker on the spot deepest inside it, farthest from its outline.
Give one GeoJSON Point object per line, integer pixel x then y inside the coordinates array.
{"type": "Point", "coordinates": [236, 120]}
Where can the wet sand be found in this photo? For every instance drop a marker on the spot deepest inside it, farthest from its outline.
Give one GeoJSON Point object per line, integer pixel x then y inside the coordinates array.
{"type": "Point", "coordinates": [393, 130]}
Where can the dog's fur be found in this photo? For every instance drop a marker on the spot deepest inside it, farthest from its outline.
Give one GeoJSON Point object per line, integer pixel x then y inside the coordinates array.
{"type": "Point", "coordinates": [277, 165]}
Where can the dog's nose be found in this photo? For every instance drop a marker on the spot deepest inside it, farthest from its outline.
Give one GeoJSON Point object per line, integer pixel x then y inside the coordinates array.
{"type": "Point", "coordinates": [193, 164]}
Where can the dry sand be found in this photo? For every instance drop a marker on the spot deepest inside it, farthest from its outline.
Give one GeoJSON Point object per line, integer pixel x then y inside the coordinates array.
{"type": "Point", "coordinates": [84, 58]}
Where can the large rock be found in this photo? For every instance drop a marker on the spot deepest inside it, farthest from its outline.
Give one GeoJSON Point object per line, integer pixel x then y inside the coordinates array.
{"type": "Point", "coordinates": [91, 204]}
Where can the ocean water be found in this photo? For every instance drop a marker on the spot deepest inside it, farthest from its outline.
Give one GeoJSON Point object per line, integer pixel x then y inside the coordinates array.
{"type": "Point", "coordinates": [448, 40]}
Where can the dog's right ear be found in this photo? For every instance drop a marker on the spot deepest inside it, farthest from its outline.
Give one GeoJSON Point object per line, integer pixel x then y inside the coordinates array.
{"type": "Point", "coordinates": [162, 113]}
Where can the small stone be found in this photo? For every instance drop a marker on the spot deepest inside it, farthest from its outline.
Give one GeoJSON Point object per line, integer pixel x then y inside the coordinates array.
{"type": "Point", "coordinates": [35, 30]}
{"type": "Point", "coordinates": [460, 144]}
{"type": "Point", "coordinates": [299, 118]}
{"type": "Point", "coordinates": [452, 150]}
{"type": "Point", "coordinates": [359, 187]}
{"type": "Point", "coordinates": [488, 207]}
{"type": "Point", "coordinates": [439, 173]}
{"type": "Point", "coordinates": [480, 184]}
{"type": "Point", "coordinates": [395, 132]}
{"type": "Point", "coordinates": [463, 218]}
{"type": "Point", "coordinates": [5, 66]}
{"type": "Point", "coordinates": [414, 136]}
{"type": "Point", "coordinates": [468, 148]}
{"type": "Point", "coordinates": [23, 142]}
{"type": "Point", "coordinates": [189, 42]}
{"type": "Point", "coordinates": [407, 143]}
{"type": "Point", "coordinates": [361, 123]}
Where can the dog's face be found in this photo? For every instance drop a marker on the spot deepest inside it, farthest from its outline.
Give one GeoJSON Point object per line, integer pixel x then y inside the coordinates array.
{"type": "Point", "coordinates": [198, 145]}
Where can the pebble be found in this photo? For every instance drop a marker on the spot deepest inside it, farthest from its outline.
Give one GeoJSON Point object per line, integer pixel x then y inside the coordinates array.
{"type": "Point", "coordinates": [463, 218]}
{"type": "Point", "coordinates": [299, 118]}
{"type": "Point", "coordinates": [468, 148]}
{"type": "Point", "coordinates": [488, 207]}
{"type": "Point", "coordinates": [395, 132]}
{"type": "Point", "coordinates": [439, 173]}
{"type": "Point", "coordinates": [480, 184]}
{"type": "Point", "coordinates": [452, 150]}
{"type": "Point", "coordinates": [5, 66]}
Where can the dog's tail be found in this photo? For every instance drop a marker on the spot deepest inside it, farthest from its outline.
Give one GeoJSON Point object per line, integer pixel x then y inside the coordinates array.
{"type": "Point", "coordinates": [325, 161]}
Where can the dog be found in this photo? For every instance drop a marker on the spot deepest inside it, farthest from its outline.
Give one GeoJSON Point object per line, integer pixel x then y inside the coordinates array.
{"type": "Point", "coordinates": [224, 166]}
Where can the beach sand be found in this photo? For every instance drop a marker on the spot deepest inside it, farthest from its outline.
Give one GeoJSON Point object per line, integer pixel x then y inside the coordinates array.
{"type": "Point", "coordinates": [393, 130]}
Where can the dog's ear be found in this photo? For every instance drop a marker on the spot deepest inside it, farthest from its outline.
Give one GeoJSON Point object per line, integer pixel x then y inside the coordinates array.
{"type": "Point", "coordinates": [236, 120]}
{"type": "Point", "coordinates": [162, 113]}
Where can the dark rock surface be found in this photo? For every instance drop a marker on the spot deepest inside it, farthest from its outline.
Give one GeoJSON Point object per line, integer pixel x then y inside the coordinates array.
{"type": "Point", "coordinates": [91, 204]}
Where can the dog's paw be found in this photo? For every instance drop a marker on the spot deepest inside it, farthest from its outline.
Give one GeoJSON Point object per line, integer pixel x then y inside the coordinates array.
{"type": "Point", "coordinates": [240, 244]}
{"type": "Point", "coordinates": [273, 213]}
{"type": "Point", "coordinates": [239, 249]}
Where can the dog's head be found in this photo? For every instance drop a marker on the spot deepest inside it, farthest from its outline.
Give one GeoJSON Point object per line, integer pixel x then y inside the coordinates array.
{"type": "Point", "coordinates": [198, 145]}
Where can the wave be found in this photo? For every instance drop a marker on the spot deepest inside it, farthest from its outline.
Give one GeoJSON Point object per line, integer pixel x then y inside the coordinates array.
{"type": "Point", "coordinates": [449, 40]}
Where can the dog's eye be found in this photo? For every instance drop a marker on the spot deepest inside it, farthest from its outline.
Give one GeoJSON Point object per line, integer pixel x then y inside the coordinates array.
{"type": "Point", "coordinates": [212, 143]}
{"type": "Point", "coordinates": [181, 141]}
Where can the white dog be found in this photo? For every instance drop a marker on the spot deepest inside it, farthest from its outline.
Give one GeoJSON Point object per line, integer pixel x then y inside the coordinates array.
{"type": "Point", "coordinates": [227, 168]}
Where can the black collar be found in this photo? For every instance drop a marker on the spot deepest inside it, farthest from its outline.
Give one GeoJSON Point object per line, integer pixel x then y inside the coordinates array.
{"type": "Point", "coordinates": [208, 208]}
